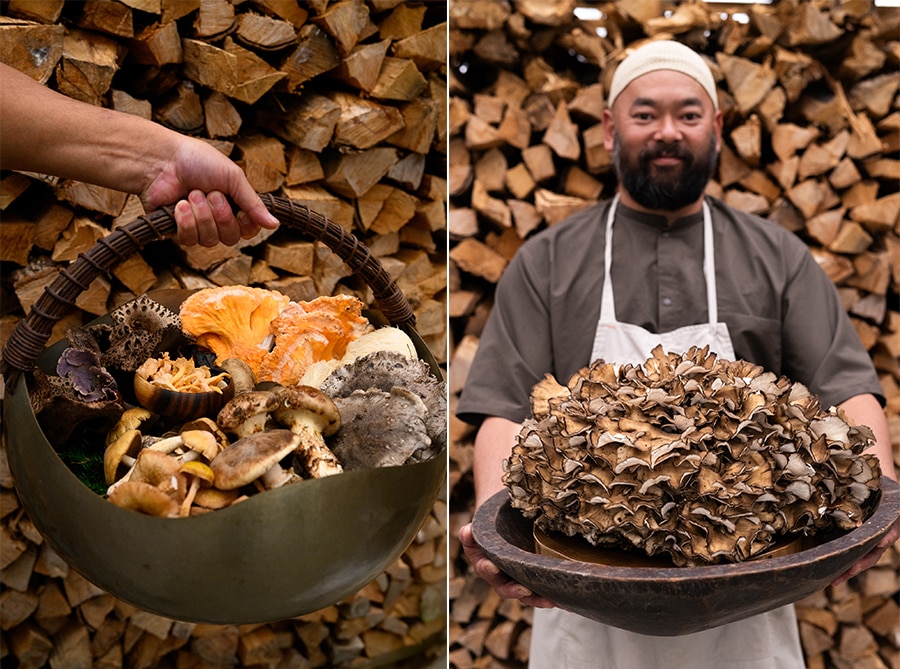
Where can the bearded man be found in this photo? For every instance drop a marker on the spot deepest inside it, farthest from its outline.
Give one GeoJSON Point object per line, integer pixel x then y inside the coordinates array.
{"type": "Point", "coordinates": [660, 264]}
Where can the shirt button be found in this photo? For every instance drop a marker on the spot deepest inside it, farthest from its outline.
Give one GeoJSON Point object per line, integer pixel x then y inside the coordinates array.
{"type": "Point", "coordinates": [667, 302]}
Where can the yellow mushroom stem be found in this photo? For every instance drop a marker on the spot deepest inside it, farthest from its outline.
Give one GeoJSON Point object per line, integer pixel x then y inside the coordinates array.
{"type": "Point", "coordinates": [199, 473]}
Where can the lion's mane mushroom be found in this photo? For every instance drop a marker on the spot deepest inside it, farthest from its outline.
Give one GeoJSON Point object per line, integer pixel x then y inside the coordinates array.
{"type": "Point", "coordinates": [703, 459]}
{"type": "Point", "coordinates": [256, 456]}
{"type": "Point", "coordinates": [312, 415]}
{"type": "Point", "coordinates": [385, 370]}
{"type": "Point", "coordinates": [380, 429]}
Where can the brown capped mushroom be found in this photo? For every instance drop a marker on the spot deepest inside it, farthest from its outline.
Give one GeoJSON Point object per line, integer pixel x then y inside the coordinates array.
{"type": "Point", "coordinates": [202, 442]}
{"type": "Point", "coordinates": [241, 374]}
{"type": "Point", "coordinates": [159, 470]}
{"type": "Point", "coordinates": [247, 413]}
{"type": "Point", "coordinates": [122, 450]}
{"type": "Point", "coordinates": [213, 498]}
{"type": "Point", "coordinates": [144, 498]}
{"type": "Point", "coordinates": [388, 369]}
{"type": "Point", "coordinates": [209, 425]}
{"type": "Point", "coordinates": [312, 415]}
{"type": "Point", "coordinates": [250, 457]}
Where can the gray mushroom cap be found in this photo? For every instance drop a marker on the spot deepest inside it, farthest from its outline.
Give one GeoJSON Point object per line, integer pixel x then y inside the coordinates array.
{"type": "Point", "coordinates": [385, 370]}
{"type": "Point", "coordinates": [297, 405]}
{"type": "Point", "coordinates": [380, 429]}
{"type": "Point", "coordinates": [250, 457]}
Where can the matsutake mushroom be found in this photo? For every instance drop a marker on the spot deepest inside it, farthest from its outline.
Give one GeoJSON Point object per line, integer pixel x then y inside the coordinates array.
{"type": "Point", "coordinates": [703, 459]}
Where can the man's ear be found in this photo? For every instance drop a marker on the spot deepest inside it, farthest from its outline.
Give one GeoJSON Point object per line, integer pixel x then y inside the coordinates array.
{"type": "Point", "coordinates": [719, 122]}
{"type": "Point", "coordinates": [609, 130]}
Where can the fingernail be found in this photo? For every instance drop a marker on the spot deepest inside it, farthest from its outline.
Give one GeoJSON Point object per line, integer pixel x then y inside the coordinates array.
{"type": "Point", "coordinates": [522, 592]}
{"type": "Point", "coordinates": [216, 199]}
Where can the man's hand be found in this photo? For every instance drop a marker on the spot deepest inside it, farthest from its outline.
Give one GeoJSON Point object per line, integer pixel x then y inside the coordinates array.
{"type": "Point", "coordinates": [500, 582]}
{"type": "Point", "coordinates": [203, 180]}
{"type": "Point", "coordinates": [872, 557]}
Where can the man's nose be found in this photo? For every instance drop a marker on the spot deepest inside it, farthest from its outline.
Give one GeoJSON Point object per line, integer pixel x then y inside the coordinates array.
{"type": "Point", "coordinates": [668, 129]}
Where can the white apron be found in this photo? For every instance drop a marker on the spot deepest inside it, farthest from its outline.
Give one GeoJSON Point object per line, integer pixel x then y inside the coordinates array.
{"type": "Point", "coordinates": [563, 640]}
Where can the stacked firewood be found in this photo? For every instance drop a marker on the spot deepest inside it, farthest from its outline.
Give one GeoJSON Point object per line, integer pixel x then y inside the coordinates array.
{"type": "Point", "coordinates": [337, 104]}
{"type": "Point", "coordinates": [809, 95]}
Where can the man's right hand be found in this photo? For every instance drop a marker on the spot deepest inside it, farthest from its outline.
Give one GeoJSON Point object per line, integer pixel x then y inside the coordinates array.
{"type": "Point", "coordinates": [500, 582]}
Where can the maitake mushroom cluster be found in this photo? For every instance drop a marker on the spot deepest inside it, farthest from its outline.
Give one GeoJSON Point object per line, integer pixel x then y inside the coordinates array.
{"type": "Point", "coordinates": [335, 379]}
{"type": "Point", "coordinates": [703, 459]}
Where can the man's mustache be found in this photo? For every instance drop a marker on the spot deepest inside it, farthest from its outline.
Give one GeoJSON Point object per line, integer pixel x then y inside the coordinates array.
{"type": "Point", "coordinates": [665, 150]}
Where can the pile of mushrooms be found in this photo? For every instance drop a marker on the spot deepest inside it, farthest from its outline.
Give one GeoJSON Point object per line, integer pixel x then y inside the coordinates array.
{"type": "Point", "coordinates": [85, 391]}
{"type": "Point", "coordinates": [691, 456]}
{"type": "Point", "coordinates": [376, 405]}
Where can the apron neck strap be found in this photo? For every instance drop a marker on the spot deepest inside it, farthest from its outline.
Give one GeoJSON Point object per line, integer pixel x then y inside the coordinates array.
{"type": "Point", "coordinates": [607, 300]}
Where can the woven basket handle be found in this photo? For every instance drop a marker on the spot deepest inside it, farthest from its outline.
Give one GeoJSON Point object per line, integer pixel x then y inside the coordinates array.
{"type": "Point", "coordinates": [29, 337]}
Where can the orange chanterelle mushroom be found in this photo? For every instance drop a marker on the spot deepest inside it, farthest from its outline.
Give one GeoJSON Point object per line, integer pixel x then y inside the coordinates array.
{"type": "Point", "coordinates": [233, 321]}
{"type": "Point", "coordinates": [277, 338]}
{"type": "Point", "coordinates": [307, 332]}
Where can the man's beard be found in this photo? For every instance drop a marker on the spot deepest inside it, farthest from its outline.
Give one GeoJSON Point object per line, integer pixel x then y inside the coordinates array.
{"type": "Point", "coordinates": [670, 189]}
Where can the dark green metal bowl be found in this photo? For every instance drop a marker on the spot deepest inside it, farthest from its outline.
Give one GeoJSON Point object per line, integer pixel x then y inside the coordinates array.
{"type": "Point", "coordinates": [276, 555]}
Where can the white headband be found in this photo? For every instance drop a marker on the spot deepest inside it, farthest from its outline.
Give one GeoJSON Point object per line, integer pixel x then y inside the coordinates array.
{"type": "Point", "coordinates": [663, 55]}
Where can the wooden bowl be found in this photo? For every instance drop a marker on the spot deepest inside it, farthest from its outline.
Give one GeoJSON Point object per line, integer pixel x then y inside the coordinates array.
{"type": "Point", "coordinates": [670, 601]}
{"type": "Point", "coordinates": [179, 406]}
